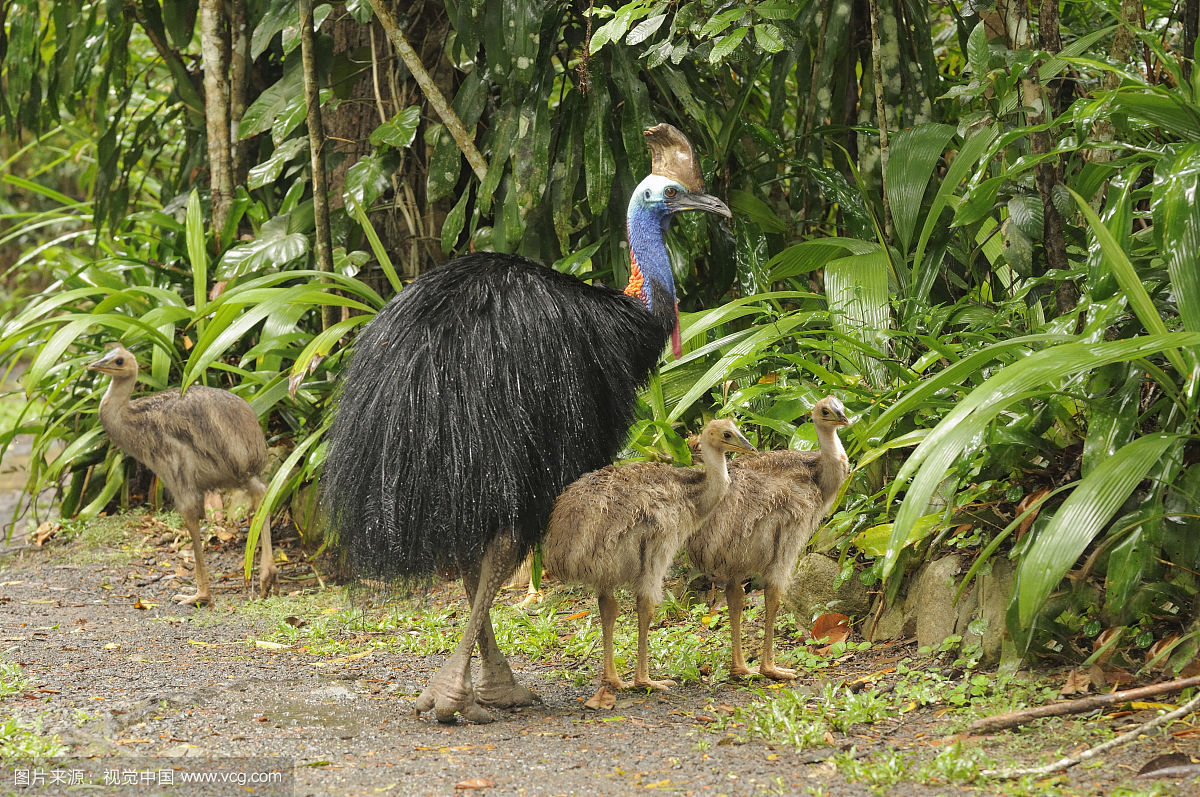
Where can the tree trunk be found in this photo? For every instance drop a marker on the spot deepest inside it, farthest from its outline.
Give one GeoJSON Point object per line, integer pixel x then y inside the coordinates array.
{"type": "Point", "coordinates": [316, 146]}
{"type": "Point", "coordinates": [239, 77]}
{"type": "Point", "coordinates": [877, 80]}
{"type": "Point", "coordinates": [214, 46]}
{"type": "Point", "coordinates": [1054, 245]}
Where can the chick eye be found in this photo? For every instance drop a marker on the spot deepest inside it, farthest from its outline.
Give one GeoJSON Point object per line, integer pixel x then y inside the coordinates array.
{"type": "Point", "coordinates": [728, 435]}
{"type": "Point", "coordinates": [669, 192]}
{"type": "Point", "coordinates": [120, 361]}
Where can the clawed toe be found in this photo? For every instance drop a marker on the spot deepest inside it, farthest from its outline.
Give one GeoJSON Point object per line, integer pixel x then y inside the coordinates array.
{"type": "Point", "coordinates": [511, 695]}
{"type": "Point", "coordinates": [658, 686]}
{"type": "Point", "coordinates": [446, 699]}
{"type": "Point", "coordinates": [778, 673]}
{"type": "Point", "coordinates": [197, 599]}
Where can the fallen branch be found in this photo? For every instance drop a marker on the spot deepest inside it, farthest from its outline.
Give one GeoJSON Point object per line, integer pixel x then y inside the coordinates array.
{"type": "Point", "coordinates": [999, 722]}
{"type": "Point", "coordinates": [1072, 760]}
{"type": "Point", "coordinates": [432, 94]}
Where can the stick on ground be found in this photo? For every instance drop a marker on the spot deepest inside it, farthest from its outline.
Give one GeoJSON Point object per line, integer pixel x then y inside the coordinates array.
{"type": "Point", "coordinates": [999, 722]}
{"type": "Point", "coordinates": [1072, 760]}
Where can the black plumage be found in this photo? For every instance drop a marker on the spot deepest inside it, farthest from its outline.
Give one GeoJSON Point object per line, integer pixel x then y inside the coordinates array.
{"type": "Point", "coordinates": [474, 397]}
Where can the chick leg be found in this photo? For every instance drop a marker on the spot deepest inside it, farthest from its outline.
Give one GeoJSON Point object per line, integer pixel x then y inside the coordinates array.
{"type": "Point", "coordinates": [735, 596]}
{"type": "Point", "coordinates": [267, 571]}
{"type": "Point", "coordinates": [608, 619]}
{"type": "Point", "coordinates": [645, 610]}
{"type": "Point", "coordinates": [450, 691]}
{"type": "Point", "coordinates": [496, 686]}
{"type": "Point", "coordinates": [767, 665]}
{"type": "Point", "coordinates": [190, 509]}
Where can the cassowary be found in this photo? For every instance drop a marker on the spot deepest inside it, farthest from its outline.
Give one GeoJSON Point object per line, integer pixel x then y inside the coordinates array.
{"type": "Point", "coordinates": [204, 439]}
{"type": "Point", "coordinates": [622, 526]}
{"type": "Point", "coordinates": [477, 394]}
{"type": "Point", "coordinates": [775, 503]}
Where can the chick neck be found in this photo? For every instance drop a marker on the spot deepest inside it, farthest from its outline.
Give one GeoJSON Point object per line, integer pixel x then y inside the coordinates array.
{"type": "Point", "coordinates": [716, 477]}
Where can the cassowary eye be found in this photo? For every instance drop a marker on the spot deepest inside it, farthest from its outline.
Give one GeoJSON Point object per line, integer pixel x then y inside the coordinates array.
{"type": "Point", "coordinates": [647, 193]}
{"type": "Point", "coordinates": [670, 192]}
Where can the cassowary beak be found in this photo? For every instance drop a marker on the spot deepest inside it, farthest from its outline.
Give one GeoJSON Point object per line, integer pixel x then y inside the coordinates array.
{"type": "Point", "coordinates": [690, 201]}
{"type": "Point", "coordinates": [105, 364]}
{"type": "Point", "coordinates": [740, 443]}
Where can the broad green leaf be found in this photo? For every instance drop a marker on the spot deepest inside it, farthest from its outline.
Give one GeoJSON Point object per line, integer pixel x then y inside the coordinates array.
{"type": "Point", "coordinates": [277, 101]}
{"type": "Point", "coordinates": [768, 37]}
{"type": "Point", "coordinates": [197, 253]}
{"type": "Point", "coordinates": [645, 29]}
{"type": "Point", "coordinates": [1127, 276]}
{"type": "Point", "coordinates": [1081, 517]}
{"type": "Point", "coordinates": [874, 541]}
{"type": "Point", "coordinates": [857, 288]}
{"type": "Point", "coordinates": [926, 468]}
{"type": "Point", "coordinates": [743, 203]}
{"type": "Point", "coordinates": [727, 44]}
{"type": "Point", "coordinates": [269, 170]}
{"type": "Point", "coordinates": [365, 181]}
{"type": "Point", "coordinates": [808, 256]}
{"type": "Point", "coordinates": [264, 253]}
{"type": "Point", "coordinates": [400, 130]}
{"type": "Point", "coordinates": [914, 155]}
{"type": "Point", "coordinates": [1177, 214]}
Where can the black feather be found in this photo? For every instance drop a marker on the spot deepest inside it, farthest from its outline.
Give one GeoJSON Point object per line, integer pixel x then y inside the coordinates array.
{"type": "Point", "coordinates": [471, 400]}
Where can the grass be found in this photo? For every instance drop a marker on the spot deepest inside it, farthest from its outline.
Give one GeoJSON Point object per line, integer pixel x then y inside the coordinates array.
{"type": "Point", "coordinates": [22, 742]}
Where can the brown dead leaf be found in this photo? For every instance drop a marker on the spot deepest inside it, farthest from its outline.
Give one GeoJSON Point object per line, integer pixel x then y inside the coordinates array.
{"type": "Point", "coordinates": [294, 621]}
{"type": "Point", "coordinates": [1029, 500]}
{"type": "Point", "coordinates": [475, 783]}
{"type": "Point", "coordinates": [224, 534]}
{"type": "Point", "coordinates": [46, 531]}
{"type": "Point", "coordinates": [139, 605]}
{"type": "Point", "coordinates": [1077, 683]}
{"type": "Point", "coordinates": [1161, 648]}
{"type": "Point", "coordinates": [831, 628]}
{"type": "Point", "coordinates": [1104, 677]}
{"type": "Point", "coordinates": [1102, 640]}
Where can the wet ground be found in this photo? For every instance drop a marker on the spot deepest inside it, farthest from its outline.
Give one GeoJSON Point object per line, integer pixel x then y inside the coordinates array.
{"type": "Point", "coordinates": [119, 673]}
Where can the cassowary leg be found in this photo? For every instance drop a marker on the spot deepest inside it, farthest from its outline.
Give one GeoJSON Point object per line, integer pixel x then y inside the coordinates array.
{"type": "Point", "coordinates": [608, 619]}
{"type": "Point", "coordinates": [450, 690]}
{"type": "Point", "coordinates": [645, 610]}
{"type": "Point", "coordinates": [267, 571]}
{"type": "Point", "coordinates": [496, 686]}
{"type": "Point", "coordinates": [735, 596]}
{"type": "Point", "coordinates": [190, 510]}
{"type": "Point", "coordinates": [767, 665]}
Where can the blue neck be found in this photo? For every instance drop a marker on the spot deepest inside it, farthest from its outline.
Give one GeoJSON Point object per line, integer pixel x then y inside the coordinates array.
{"type": "Point", "coordinates": [647, 226]}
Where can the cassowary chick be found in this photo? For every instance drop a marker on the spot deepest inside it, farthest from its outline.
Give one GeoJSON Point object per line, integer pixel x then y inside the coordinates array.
{"type": "Point", "coordinates": [622, 526]}
{"type": "Point", "coordinates": [201, 440]}
{"type": "Point", "coordinates": [775, 503]}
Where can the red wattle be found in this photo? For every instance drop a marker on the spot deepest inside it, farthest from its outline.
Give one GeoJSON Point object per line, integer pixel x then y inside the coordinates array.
{"type": "Point", "coordinates": [676, 345]}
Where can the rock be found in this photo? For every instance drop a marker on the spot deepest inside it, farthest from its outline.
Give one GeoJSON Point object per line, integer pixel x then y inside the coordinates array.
{"type": "Point", "coordinates": [890, 625]}
{"type": "Point", "coordinates": [812, 589]}
{"type": "Point", "coordinates": [184, 751]}
{"type": "Point", "coordinates": [994, 591]}
{"type": "Point", "coordinates": [930, 601]}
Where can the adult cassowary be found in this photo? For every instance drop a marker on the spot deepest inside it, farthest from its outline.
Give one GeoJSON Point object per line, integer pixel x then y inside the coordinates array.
{"type": "Point", "coordinates": [477, 394]}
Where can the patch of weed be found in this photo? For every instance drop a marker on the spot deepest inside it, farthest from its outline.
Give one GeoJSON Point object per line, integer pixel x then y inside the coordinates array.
{"type": "Point", "coordinates": [24, 743]}
{"type": "Point", "coordinates": [12, 679]}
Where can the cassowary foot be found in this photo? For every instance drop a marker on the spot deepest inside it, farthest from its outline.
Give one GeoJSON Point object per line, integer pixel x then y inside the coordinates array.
{"type": "Point", "coordinates": [532, 599]}
{"type": "Point", "coordinates": [197, 599]}
{"type": "Point", "coordinates": [658, 686]}
{"type": "Point", "coordinates": [266, 580]}
{"type": "Point", "coordinates": [741, 672]}
{"type": "Point", "coordinates": [511, 695]}
{"type": "Point", "coordinates": [446, 697]}
{"type": "Point", "coordinates": [777, 673]}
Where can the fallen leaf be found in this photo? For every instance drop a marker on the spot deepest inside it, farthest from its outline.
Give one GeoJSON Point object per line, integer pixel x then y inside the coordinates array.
{"type": "Point", "coordinates": [1160, 649]}
{"type": "Point", "coordinates": [1166, 761]}
{"type": "Point", "coordinates": [1029, 500]}
{"type": "Point", "coordinates": [1077, 683]}
{"type": "Point", "coordinates": [45, 531]}
{"type": "Point", "coordinates": [264, 645]}
{"type": "Point", "coordinates": [831, 628]}
{"type": "Point", "coordinates": [475, 783]}
{"type": "Point", "coordinates": [225, 535]}
{"type": "Point", "coordinates": [294, 621]}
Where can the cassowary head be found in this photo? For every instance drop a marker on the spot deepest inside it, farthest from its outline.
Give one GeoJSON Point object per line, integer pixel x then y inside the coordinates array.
{"type": "Point", "coordinates": [118, 362]}
{"type": "Point", "coordinates": [675, 185]}
{"type": "Point", "coordinates": [829, 412]}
